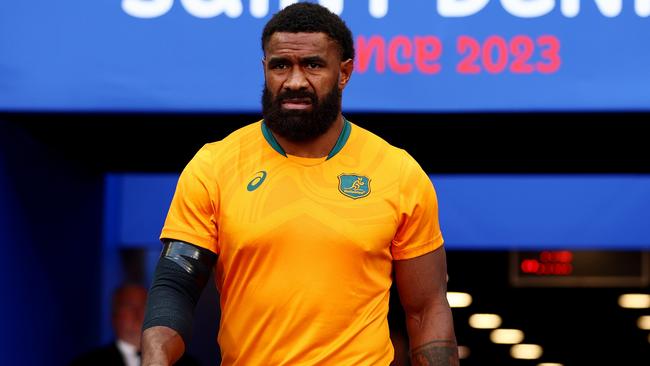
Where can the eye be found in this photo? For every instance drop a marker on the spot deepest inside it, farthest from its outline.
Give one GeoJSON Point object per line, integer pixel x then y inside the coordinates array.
{"type": "Point", "coordinates": [279, 66]}
{"type": "Point", "coordinates": [313, 65]}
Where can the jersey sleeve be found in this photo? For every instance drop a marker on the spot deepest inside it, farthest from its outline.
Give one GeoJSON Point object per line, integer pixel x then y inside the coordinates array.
{"type": "Point", "coordinates": [192, 214]}
{"type": "Point", "coordinates": [418, 230]}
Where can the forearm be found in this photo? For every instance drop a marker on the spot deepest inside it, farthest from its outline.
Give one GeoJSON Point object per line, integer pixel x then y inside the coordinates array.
{"type": "Point", "coordinates": [431, 337]}
{"type": "Point", "coordinates": [421, 282]}
{"type": "Point", "coordinates": [161, 346]}
{"type": "Point", "coordinates": [179, 278]}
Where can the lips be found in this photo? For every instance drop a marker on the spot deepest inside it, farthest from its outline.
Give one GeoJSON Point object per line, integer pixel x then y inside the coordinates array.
{"type": "Point", "coordinates": [296, 103]}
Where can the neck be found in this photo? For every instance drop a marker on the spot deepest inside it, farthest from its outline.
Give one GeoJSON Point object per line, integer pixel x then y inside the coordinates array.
{"type": "Point", "coordinates": [317, 148]}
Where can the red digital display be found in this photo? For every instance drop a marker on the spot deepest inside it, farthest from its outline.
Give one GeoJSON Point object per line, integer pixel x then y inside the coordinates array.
{"type": "Point", "coordinates": [556, 263]}
{"type": "Point", "coordinates": [580, 268]}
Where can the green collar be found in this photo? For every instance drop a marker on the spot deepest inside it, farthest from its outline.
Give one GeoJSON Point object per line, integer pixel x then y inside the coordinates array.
{"type": "Point", "coordinates": [343, 138]}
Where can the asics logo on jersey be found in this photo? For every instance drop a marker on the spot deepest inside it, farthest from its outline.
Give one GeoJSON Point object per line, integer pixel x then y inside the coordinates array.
{"type": "Point", "coordinates": [354, 185]}
{"type": "Point", "coordinates": [257, 181]}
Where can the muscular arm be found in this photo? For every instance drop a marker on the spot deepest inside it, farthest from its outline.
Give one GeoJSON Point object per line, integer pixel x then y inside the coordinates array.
{"type": "Point", "coordinates": [422, 287]}
{"type": "Point", "coordinates": [181, 274]}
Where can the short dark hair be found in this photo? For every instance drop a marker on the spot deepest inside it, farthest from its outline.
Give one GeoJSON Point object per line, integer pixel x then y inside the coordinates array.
{"type": "Point", "coordinates": [311, 18]}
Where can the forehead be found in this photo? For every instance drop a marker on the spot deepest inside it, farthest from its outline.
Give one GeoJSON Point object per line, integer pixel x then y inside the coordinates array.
{"type": "Point", "coordinates": [285, 43]}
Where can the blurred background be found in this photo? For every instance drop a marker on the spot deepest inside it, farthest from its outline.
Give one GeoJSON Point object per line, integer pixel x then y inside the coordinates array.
{"type": "Point", "coordinates": [530, 116]}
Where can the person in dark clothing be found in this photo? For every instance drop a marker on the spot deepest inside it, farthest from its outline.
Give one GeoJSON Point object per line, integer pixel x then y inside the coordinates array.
{"type": "Point", "coordinates": [127, 315]}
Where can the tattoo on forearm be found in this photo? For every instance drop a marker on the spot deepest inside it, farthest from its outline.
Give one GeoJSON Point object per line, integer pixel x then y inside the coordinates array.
{"type": "Point", "coordinates": [443, 352]}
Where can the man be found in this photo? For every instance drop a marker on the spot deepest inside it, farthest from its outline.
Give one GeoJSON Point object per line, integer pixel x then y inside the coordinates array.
{"type": "Point", "coordinates": [127, 313]}
{"type": "Point", "coordinates": [304, 217]}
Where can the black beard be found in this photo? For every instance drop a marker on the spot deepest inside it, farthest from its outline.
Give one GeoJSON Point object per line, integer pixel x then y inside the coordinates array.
{"type": "Point", "coordinates": [298, 125]}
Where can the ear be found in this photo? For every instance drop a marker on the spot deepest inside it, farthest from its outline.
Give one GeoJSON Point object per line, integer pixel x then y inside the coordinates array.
{"type": "Point", "coordinates": [345, 72]}
{"type": "Point", "coordinates": [264, 66]}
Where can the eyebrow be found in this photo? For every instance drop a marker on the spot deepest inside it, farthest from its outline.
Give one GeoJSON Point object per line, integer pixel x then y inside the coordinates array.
{"type": "Point", "coordinates": [273, 61]}
{"type": "Point", "coordinates": [312, 59]}
{"type": "Point", "coordinates": [276, 60]}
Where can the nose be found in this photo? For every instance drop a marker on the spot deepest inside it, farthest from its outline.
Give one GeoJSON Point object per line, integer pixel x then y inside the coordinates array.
{"type": "Point", "coordinates": [296, 80]}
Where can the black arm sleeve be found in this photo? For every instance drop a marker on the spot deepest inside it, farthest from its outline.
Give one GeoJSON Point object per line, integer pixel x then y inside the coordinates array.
{"type": "Point", "coordinates": [181, 274]}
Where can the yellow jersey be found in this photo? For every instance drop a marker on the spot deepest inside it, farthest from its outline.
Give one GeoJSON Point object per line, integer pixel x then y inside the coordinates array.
{"type": "Point", "coordinates": [305, 246]}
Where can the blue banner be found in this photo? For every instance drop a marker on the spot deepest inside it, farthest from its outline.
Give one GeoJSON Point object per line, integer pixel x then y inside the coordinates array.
{"type": "Point", "coordinates": [412, 56]}
{"type": "Point", "coordinates": [481, 212]}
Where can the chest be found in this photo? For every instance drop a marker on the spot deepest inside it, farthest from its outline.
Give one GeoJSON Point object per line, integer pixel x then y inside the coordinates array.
{"type": "Point", "coordinates": [288, 207]}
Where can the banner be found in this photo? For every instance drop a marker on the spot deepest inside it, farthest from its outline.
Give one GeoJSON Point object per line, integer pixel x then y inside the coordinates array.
{"type": "Point", "coordinates": [411, 56]}
{"type": "Point", "coordinates": [477, 212]}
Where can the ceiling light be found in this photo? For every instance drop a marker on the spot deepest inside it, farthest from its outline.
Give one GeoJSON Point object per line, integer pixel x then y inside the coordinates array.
{"type": "Point", "coordinates": [644, 322]}
{"type": "Point", "coordinates": [459, 299]}
{"type": "Point", "coordinates": [507, 336]}
{"type": "Point", "coordinates": [634, 301]}
{"type": "Point", "coordinates": [485, 321]}
{"type": "Point", "coordinates": [526, 351]}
